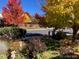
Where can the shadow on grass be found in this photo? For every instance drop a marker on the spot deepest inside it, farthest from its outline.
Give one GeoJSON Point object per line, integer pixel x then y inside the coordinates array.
{"type": "Point", "coordinates": [66, 57]}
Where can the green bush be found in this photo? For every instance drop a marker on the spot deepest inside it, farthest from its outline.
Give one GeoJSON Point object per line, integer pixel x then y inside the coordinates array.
{"type": "Point", "coordinates": [13, 32]}
{"type": "Point", "coordinates": [4, 30]}
{"type": "Point", "coordinates": [52, 44]}
{"type": "Point", "coordinates": [60, 35]}
{"type": "Point", "coordinates": [24, 52]}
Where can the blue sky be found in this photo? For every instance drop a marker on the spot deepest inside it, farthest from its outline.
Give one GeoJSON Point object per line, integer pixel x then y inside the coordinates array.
{"type": "Point", "coordinates": [30, 6]}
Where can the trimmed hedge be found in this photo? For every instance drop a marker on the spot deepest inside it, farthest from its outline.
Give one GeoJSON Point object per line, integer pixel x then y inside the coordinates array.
{"type": "Point", "coordinates": [13, 32]}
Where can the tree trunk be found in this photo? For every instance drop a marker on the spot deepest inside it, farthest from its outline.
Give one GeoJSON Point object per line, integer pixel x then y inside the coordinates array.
{"type": "Point", "coordinates": [53, 32]}
{"type": "Point", "coordinates": [75, 30]}
{"type": "Point", "coordinates": [9, 54]}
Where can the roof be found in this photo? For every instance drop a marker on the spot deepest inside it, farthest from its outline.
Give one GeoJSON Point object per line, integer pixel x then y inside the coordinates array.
{"type": "Point", "coordinates": [1, 17]}
{"type": "Point", "coordinates": [27, 17]}
{"type": "Point", "coordinates": [27, 14]}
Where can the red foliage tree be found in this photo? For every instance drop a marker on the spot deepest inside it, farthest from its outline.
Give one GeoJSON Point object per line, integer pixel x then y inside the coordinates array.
{"type": "Point", "coordinates": [41, 19]}
{"type": "Point", "coordinates": [12, 12]}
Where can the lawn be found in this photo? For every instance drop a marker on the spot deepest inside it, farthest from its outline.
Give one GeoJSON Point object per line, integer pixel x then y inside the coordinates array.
{"type": "Point", "coordinates": [3, 56]}
{"type": "Point", "coordinates": [48, 54]}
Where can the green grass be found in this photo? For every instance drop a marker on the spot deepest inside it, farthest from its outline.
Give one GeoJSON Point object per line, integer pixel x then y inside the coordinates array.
{"type": "Point", "coordinates": [3, 56]}
{"type": "Point", "coordinates": [48, 54]}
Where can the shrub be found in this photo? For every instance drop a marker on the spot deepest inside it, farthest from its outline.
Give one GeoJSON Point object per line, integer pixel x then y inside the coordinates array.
{"type": "Point", "coordinates": [60, 35]}
{"type": "Point", "coordinates": [37, 44]}
{"type": "Point", "coordinates": [4, 31]}
{"type": "Point", "coordinates": [51, 43]}
{"type": "Point", "coordinates": [13, 32]}
{"type": "Point", "coordinates": [24, 52]}
{"type": "Point", "coordinates": [33, 47]}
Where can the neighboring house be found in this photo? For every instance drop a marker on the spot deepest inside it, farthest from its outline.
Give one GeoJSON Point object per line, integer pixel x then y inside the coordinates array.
{"type": "Point", "coordinates": [32, 25]}
{"type": "Point", "coordinates": [28, 21]}
{"type": "Point", "coordinates": [27, 17]}
{"type": "Point", "coordinates": [1, 21]}
{"type": "Point", "coordinates": [1, 16]}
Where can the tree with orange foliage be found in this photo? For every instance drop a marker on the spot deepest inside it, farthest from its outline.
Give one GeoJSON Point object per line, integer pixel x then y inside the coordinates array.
{"type": "Point", "coordinates": [12, 13]}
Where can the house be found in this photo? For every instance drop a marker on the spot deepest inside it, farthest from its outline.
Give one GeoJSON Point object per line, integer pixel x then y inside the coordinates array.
{"type": "Point", "coordinates": [32, 25]}
{"type": "Point", "coordinates": [1, 21]}
{"type": "Point", "coordinates": [27, 17]}
{"type": "Point", "coordinates": [29, 21]}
